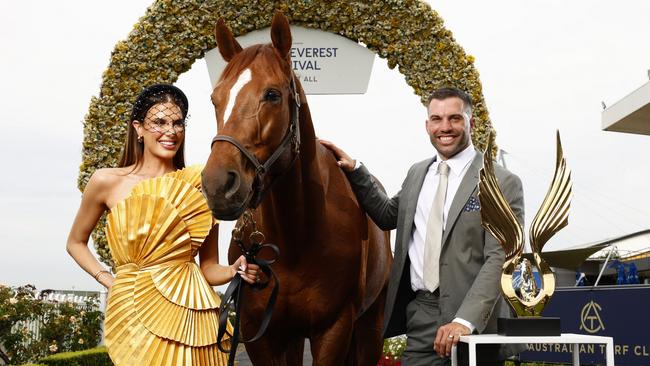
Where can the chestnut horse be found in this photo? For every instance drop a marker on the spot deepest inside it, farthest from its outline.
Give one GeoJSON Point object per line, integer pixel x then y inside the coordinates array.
{"type": "Point", "coordinates": [334, 262]}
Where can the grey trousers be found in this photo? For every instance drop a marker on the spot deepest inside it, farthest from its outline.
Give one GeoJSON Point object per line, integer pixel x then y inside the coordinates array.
{"type": "Point", "coordinates": [422, 323]}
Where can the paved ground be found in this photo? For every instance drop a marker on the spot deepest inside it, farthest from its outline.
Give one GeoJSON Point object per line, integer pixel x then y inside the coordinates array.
{"type": "Point", "coordinates": [243, 360]}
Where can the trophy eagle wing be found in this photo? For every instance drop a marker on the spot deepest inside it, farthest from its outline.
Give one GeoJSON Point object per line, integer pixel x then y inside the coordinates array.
{"type": "Point", "coordinates": [496, 214]}
{"type": "Point", "coordinates": [553, 214]}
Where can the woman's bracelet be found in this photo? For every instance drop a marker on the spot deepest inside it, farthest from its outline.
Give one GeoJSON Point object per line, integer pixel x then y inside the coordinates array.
{"type": "Point", "coordinates": [99, 274]}
{"type": "Point", "coordinates": [103, 273]}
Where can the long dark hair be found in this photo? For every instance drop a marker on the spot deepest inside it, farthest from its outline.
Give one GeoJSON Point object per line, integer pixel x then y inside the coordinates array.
{"type": "Point", "coordinates": [133, 151]}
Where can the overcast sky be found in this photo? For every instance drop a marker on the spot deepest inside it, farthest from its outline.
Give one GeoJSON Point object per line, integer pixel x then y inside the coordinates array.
{"type": "Point", "coordinates": [544, 65]}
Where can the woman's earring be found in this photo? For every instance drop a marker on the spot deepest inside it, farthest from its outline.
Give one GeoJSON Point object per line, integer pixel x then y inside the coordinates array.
{"type": "Point", "coordinates": [140, 139]}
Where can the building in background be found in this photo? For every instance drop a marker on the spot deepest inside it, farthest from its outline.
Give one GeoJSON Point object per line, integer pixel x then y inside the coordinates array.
{"type": "Point", "coordinates": [630, 114]}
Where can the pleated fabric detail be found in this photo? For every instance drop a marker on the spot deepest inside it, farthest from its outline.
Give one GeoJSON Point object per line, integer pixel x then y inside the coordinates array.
{"type": "Point", "coordinates": [161, 310]}
{"type": "Point", "coordinates": [188, 200]}
{"type": "Point", "coordinates": [168, 320]}
{"type": "Point", "coordinates": [190, 174]}
{"type": "Point", "coordinates": [185, 285]}
{"type": "Point", "coordinates": [147, 230]}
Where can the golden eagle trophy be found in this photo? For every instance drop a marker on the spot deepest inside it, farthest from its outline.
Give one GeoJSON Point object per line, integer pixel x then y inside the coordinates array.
{"type": "Point", "coordinates": [525, 298]}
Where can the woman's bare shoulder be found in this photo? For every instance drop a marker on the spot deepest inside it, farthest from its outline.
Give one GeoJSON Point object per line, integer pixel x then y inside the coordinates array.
{"type": "Point", "coordinates": [108, 177]}
{"type": "Point", "coordinates": [108, 185]}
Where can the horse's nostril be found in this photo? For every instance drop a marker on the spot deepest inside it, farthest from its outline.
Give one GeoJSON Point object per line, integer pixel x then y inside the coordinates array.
{"type": "Point", "coordinates": [232, 184]}
{"type": "Point", "coordinates": [230, 181]}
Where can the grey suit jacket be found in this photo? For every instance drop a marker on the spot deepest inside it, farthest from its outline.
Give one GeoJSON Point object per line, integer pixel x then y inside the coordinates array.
{"type": "Point", "coordinates": [471, 259]}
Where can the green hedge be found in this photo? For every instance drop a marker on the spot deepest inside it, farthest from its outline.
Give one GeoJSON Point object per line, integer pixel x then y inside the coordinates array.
{"type": "Point", "coordinates": [90, 357]}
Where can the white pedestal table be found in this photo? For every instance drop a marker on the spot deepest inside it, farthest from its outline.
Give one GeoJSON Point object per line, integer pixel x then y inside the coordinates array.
{"type": "Point", "coordinates": [565, 338]}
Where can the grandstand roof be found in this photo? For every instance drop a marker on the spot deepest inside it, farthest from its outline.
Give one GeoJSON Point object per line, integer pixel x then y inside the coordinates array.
{"type": "Point", "coordinates": [628, 247]}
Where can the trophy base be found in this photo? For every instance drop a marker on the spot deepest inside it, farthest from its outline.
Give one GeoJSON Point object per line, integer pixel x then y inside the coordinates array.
{"type": "Point", "coordinates": [525, 327]}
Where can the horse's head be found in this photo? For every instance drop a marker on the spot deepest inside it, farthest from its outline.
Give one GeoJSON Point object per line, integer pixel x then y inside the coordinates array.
{"type": "Point", "coordinates": [256, 104]}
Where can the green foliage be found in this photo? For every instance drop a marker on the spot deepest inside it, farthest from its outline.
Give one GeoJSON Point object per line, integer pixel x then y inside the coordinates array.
{"type": "Point", "coordinates": [91, 357]}
{"type": "Point", "coordinates": [17, 306]}
{"type": "Point", "coordinates": [394, 347]}
{"type": "Point", "coordinates": [63, 326]}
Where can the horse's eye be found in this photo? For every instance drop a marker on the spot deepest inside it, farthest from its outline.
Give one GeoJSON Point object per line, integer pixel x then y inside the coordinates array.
{"type": "Point", "coordinates": [272, 95]}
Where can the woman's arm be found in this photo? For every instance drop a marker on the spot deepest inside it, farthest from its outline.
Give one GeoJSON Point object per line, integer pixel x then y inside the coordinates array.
{"type": "Point", "coordinates": [217, 274]}
{"type": "Point", "coordinates": [91, 209]}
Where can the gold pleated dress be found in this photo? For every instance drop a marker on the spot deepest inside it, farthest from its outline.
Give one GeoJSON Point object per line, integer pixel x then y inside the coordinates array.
{"type": "Point", "coordinates": [161, 310]}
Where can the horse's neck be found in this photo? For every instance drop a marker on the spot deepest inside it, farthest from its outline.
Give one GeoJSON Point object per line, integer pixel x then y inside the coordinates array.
{"type": "Point", "coordinates": [307, 174]}
{"type": "Point", "coordinates": [290, 203]}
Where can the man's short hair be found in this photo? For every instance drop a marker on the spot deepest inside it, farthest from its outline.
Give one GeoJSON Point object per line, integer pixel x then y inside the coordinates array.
{"type": "Point", "coordinates": [450, 92]}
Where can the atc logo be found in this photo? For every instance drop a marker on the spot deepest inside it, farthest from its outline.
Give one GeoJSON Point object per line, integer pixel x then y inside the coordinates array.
{"type": "Point", "coordinates": [590, 320]}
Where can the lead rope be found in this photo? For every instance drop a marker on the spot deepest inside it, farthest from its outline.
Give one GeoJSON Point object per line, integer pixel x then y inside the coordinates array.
{"type": "Point", "coordinates": [234, 292]}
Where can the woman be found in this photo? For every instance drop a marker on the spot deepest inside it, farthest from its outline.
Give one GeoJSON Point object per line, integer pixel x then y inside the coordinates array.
{"type": "Point", "coordinates": [161, 307]}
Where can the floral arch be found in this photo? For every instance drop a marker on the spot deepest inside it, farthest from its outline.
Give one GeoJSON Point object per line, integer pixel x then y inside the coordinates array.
{"type": "Point", "coordinates": [174, 33]}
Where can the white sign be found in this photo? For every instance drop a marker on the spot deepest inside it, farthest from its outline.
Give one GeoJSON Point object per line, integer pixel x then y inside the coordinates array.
{"type": "Point", "coordinates": [326, 63]}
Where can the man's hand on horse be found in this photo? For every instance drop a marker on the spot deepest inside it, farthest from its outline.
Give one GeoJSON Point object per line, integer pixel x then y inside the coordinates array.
{"type": "Point", "coordinates": [448, 335]}
{"type": "Point", "coordinates": [343, 160]}
{"type": "Point", "coordinates": [249, 272]}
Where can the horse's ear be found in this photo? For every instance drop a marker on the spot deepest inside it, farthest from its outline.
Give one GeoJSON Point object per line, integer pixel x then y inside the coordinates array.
{"type": "Point", "coordinates": [281, 34]}
{"type": "Point", "coordinates": [228, 45]}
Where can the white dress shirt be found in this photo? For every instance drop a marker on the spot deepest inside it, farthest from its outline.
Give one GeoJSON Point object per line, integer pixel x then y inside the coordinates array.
{"type": "Point", "coordinates": [458, 165]}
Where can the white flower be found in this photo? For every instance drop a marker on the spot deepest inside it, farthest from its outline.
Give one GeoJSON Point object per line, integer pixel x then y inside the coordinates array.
{"type": "Point", "coordinates": [73, 319]}
{"type": "Point", "coordinates": [53, 347]}
{"type": "Point", "coordinates": [81, 341]}
{"type": "Point", "coordinates": [13, 301]}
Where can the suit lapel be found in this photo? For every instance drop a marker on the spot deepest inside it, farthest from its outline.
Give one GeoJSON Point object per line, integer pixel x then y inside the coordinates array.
{"type": "Point", "coordinates": [411, 203]}
{"type": "Point", "coordinates": [465, 190]}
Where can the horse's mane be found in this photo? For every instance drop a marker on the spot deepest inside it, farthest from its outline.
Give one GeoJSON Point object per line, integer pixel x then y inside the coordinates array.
{"type": "Point", "coordinates": [243, 59]}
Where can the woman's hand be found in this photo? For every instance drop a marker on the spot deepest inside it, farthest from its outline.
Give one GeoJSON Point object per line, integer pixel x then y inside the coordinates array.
{"type": "Point", "coordinates": [249, 272]}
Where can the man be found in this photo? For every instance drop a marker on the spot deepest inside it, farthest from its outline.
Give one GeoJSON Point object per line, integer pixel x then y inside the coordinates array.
{"type": "Point", "coordinates": [445, 278]}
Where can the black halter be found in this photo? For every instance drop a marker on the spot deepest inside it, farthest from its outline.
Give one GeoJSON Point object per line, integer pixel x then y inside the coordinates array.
{"type": "Point", "coordinates": [291, 137]}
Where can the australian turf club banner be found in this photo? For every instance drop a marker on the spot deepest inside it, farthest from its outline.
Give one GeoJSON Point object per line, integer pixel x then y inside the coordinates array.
{"type": "Point", "coordinates": [620, 312]}
{"type": "Point", "coordinates": [326, 63]}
